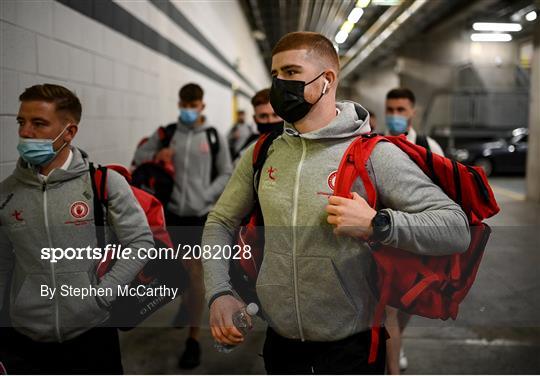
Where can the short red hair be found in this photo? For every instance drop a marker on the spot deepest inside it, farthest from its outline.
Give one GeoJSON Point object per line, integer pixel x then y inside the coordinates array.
{"type": "Point", "coordinates": [313, 43]}
{"type": "Point", "coordinates": [261, 97]}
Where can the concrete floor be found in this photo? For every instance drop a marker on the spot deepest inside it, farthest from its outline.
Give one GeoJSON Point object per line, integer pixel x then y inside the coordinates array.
{"type": "Point", "coordinates": [497, 332]}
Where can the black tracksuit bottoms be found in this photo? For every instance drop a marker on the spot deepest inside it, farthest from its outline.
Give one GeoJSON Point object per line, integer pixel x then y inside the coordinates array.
{"type": "Point", "coordinates": [96, 351]}
{"type": "Point", "coordinates": [346, 356]}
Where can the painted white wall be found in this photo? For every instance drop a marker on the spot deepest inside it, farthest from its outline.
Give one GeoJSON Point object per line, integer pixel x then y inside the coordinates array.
{"type": "Point", "coordinates": [126, 89]}
{"type": "Point", "coordinates": [371, 90]}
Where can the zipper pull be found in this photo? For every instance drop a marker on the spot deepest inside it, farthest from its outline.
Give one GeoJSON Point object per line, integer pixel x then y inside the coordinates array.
{"type": "Point", "coordinates": [43, 186]}
{"type": "Point", "coordinates": [292, 132]}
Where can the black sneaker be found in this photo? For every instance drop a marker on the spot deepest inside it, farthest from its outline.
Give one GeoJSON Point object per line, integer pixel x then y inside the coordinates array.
{"type": "Point", "coordinates": [191, 357]}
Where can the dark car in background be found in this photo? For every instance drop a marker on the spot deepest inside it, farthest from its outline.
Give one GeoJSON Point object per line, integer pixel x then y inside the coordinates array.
{"type": "Point", "coordinates": [505, 155]}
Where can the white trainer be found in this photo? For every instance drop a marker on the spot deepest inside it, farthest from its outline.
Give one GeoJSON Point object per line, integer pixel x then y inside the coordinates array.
{"type": "Point", "coordinates": [403, 362]}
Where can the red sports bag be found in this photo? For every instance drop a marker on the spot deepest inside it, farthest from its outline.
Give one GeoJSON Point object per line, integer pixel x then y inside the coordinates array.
{"type": "Point", "coordinates": [128, 311]}
{"type": "Point", "coordinates": [429, 286]}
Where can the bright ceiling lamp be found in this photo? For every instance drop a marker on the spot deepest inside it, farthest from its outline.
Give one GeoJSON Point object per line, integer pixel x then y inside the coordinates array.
{"type": "Point", "coordinates": [355, 15]}
{"type": "Point", "coordinates": [387, 3]}
{"type": "Point", "coordinates": [531, 16]}
{"type": "Point", "coordinates": [341, 36]}
{"type": "Point", "coordinates": [348, 25]}
{"type": "Point", "coordinates": [491, 37]}
{"type": "Point", "coordinates": [363, 3]}
{"type": "Point", "coordinates": [496, 26]}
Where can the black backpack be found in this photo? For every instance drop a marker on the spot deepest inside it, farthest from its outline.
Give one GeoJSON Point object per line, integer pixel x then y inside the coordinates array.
{"type": "Point", "coordinates": [251, 139]}
{"type": "Point", "coordinates": [422, 140]}
{"type": "Point", "coordinates": [158, 179]}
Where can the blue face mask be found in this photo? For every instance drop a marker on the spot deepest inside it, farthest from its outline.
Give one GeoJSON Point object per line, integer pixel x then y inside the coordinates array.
{"type": "Point", "coordinates": [396, 124]}
{"type": "Point", "coordinates": [39, 152]}
{"type": "Point", "coordinates": [188, 116]}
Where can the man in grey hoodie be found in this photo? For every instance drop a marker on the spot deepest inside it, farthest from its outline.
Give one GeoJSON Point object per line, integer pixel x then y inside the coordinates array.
{"type": "Point", "coordinates": [48, 203]}
{"type": "Point", "coordinates": [200, 177]}
{"type": "Point", "coordinates": [315, 282]}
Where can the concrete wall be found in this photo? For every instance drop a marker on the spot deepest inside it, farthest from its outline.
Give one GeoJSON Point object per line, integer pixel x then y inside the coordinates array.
{"type": "Point", "coordinates": [533, 157]}
{"type": "Point", "coordinates": [126, 61]}
{"type": "Point", "coordinates": [371, 90]}
{"type": "Point", "coordinates": [439, 60]}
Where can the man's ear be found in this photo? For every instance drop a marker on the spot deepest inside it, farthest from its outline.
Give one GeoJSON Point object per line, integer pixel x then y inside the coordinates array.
{"type": "Point", "coordinates": [203, 106]}
{"type": "Point", "coordinates": [70, 132]}
{"type": "Point", "coordinates": [331, 77]}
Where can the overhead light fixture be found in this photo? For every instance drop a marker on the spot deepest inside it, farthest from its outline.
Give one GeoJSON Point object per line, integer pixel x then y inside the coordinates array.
{"type": "Point", "coordinates": [531, 16]}
{"type": "Point", "coordinates": [496, 26]}
{"type": "Point", "coordinates": [347, 26]}
{"type": "Point", "coordinates": [522, 13]}
{"type": "Point", "coordinates": [341, 36]}
{"type": "Point", "coordinates": [386, 3]}
{"type": "Point", "coordinates": [355, 15]}
{"type": "Point", "coordinates": [258, 35]}
{"type": "Point", "coordinates": [491, 37]}
{"type": "Point", "coordinates": [363, 3]}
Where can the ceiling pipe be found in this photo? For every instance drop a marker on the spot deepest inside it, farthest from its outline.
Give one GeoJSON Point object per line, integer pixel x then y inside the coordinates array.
{"type": "Point", "coordinates": [282, 20]}
{"type": "Point", "coordinates": [315, 14]}
{"type": "Point", "coordinates": [302, 16]}
{"type": "Point", "coordinates": [331, 15]}
{"type": "Point", "coordinates": [333, 22]}
{"type": "Point", "coordinates": [325, 12]}
{"type": "Point", "coordinates": [259, 23]}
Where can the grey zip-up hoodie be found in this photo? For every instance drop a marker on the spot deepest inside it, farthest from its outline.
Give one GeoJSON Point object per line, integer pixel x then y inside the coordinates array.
{"type": "Point", "coordinates": [59, 213]}
{"type": "Point", "coordinates": [314, 285]}
{"type": "Point", "coordinates": [194, 193]}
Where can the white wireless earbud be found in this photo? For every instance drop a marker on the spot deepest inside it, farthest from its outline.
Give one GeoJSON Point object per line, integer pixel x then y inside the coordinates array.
{"type": "Point", "coordinates": [325, 86]}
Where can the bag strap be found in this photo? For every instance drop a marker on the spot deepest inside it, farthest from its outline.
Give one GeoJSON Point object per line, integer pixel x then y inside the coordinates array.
{"type": "Point", "coordinates": [166, 134]}
{"type": "Point", "coordinates": [422, 140]}
{"type": "Point", "coordinates": [260, 152]}
{"type": "Point", "coordinates": [249, 141]}
{"type": "Point", "coordinates": [98, 179]}
{"type": "Point", "coordinates": [353, 165]}
{"type": "Point", "coordinates": [213, 141]}
{"type": "Point", "coordinates": [377, 320]}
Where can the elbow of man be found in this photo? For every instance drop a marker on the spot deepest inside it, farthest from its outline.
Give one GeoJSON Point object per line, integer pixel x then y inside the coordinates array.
{"type": "Point", "coordinates": [461, 234]}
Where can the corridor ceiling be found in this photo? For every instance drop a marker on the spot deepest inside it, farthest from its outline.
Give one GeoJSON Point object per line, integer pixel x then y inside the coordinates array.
{"type": "Point", "coordinates": [380, 30]}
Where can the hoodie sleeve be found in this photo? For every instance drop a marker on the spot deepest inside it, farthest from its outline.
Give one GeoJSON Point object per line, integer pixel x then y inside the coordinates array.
{"type": "Point", "coordinates": [224, 170]}
{"type": "Point", "coordinates": [232, 207]}
{"type": "Point", "coordinates": [6, 265]}
{"type": "Point", "coordinates": [129, 223]}
{"type": "Point", "coordinates": [148, 150]}
{"type": "Point", "coordinates": [424, 220]}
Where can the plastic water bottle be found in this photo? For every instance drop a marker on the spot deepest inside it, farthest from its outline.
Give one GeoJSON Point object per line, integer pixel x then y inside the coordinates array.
{"type": "Point", "coordinates": [240, 321]}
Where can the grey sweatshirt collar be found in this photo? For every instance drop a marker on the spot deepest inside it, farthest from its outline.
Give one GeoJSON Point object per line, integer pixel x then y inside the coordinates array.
{"type": "Point", "coordinates": [182, 127]}
{"type": "Point", "coordinates": [352, 120]}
